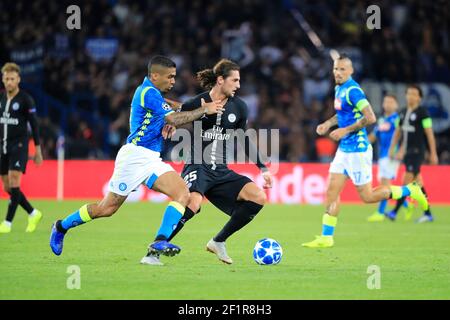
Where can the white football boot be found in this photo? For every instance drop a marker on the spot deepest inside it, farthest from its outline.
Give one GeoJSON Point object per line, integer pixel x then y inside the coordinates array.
{"type": "Point", "coordinates": [219, 249]}
{"type": "Point", "coordinates": [152, 259]}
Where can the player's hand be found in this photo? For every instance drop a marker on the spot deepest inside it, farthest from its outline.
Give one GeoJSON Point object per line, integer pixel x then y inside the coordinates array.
{"type": "Point", "coordinates": [391, 153]}
{"type": "Point", "coordinates": [168, 131]}
{"type": "Point", "coordinates": [267, 180]}
{"type": "Point", "coordinates": [400, 155]}
{"type": "Point", "coordinates": [38, 159]}
{"type": "Point", "coordinates": [322, 129]}
{"type": "Point", "coordinates": [338, 134]}
{"type": "Point", "coordinates": [434, 159]}
{"type": "Point", "coordinates": [213, 107]}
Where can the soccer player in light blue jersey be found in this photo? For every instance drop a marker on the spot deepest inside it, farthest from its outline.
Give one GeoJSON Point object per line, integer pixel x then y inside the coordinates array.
{"type": "Point", "coordinates": [138, 161]}
{"type": "Point", "coordinates": [387, 167]}
{"type": "Point", "coordinates": [353, 158]}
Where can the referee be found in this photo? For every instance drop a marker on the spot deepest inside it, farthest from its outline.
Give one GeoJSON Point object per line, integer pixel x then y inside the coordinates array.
{"type": "Point", "coordinates": [17, 109]}
{"type": "Point", "coordinates": [416, 129]}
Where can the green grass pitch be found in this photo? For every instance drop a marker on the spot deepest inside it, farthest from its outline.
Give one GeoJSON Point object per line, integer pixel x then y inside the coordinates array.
{"type": "Point", "coordinates": [414, 260]}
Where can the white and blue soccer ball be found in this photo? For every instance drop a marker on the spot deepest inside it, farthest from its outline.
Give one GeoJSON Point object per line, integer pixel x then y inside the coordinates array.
{"type": "Point", "coordinates": [267, 251]}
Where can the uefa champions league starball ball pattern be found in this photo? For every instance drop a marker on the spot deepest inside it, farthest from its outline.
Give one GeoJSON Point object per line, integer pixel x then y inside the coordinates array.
{"type": "Point", "coordinates": [267, 251]}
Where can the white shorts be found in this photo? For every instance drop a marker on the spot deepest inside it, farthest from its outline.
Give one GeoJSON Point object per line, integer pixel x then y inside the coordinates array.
{"type": "Point", "coordinates": [135, 165]}
{"type": "Point", "coordinates": [387, 168]}
{"type": "Point", "coordinates": [356, 165]}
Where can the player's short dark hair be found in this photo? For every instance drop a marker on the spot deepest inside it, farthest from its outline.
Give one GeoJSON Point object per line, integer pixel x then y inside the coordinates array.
{"type": "Point", "coordinates": [161, 61]}
{"type": "Point", "coordinates": [223, 68]}
{"type": "Point", "coordinates": [417, 87]}
{"type": "Point", "coordinates": [344, 56]}
{"type": "Point", "coordinates": [390, 95]}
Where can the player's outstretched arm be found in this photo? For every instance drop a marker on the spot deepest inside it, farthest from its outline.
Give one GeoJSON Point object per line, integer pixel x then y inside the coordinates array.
{"type": "Point", "coordinates": [179, 118]}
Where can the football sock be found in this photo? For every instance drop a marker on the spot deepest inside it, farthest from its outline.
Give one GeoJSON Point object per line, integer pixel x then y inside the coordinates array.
{"type": "Point", "coordinates": [399, 192]}
{"type": "Point", "coordinates": [382, 206]}
{"type": "Point", "coordinates": [188, 214]}
{"type": "Point", "coordinates": [77, 218]}
{"type": "Point", "coordinates": [172, 216]}
{"type": "Point", "coordinates": [23, 202]}
{"type": "Point", "coordinates": [399, 203]}
{"type": "Point", "coordinates": [13, 203]}
{"type": "Point", "coordinates": [426, 212]}
{"type": "Point", "coordinates": [328, 224]}
{"type": "Point", "coordinates": [242, 214]}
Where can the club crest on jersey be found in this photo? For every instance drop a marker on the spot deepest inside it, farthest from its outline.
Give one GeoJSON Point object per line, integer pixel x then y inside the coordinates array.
{"type": "Point", "coordinates": [15, 106]}
{"type": "Point", "coordinates": [337, 104]}
{"type": "Point", "coordinates": [384, 126]}
{"type": "Point", "coordinates": [232, 117]}
{"type": "Point", "coordinates": [413, 116]}
{"type": "Point", "coordinates": [166, 107]}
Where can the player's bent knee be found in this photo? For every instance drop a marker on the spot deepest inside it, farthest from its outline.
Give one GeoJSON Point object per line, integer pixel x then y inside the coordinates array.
{"type": "Point", "coordinates": [194, 206]}
{"type": "Point", "coordinates": [195, 202]}
{"type": "Point", "coordinates": [260, 198]}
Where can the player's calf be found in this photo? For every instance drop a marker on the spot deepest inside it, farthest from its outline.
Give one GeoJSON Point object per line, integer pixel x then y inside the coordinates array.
{"type": "Point", "coordinates": [243, 213]}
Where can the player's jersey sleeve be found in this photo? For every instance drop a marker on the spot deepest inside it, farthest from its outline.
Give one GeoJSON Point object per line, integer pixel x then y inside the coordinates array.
{"type": "Point", "coordinates": [242, 123]}
{"type": "Point", "coordinates": [396, 122]}
{"type": "Point", "coordinates": [30, 105]}
{"type": "Point", "coordinates": [357, 98]}
{"type": "Point", "coordinates": [190, 105]}
{"type": "Point", "coordinates": [151, 100]}
{"type": "Point", "coordinates": [30, 109]}
{"type": "Point", "coordinates": [425, 118]}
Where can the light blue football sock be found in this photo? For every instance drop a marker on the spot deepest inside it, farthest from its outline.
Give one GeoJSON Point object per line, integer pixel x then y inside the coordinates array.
{"type": "Point", "coordinates": [382, 206]}
{"type": "Point", "coordinates": [405, 203]}
{"type": "Point", "coordinates": [172, 216]}
{"type": "Point", "coordinates": [328, 225]}
{"type": "Point", "coordinates": [77, 218]}
{"type": "Point", "coordinates": [405, 191]}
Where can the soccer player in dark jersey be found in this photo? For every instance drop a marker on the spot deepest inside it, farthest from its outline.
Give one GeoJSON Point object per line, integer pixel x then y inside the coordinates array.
{"type": "Point", "coordinates": [416, 129]}
{"type": "Point", "coordinates": [17, 110]}
{"type": "Point", "coordinates": [206, 172]}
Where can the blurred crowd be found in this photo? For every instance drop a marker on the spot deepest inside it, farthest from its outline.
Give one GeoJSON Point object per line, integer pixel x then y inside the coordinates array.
{"type": "Point", "coordinates": [286, 82]}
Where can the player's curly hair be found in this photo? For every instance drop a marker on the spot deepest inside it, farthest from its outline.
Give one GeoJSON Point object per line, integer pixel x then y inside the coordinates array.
{"type": "Point", "coordinates": [208, 77]}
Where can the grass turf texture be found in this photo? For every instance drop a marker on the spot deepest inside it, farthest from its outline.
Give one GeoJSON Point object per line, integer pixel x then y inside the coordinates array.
{"type": "Point", "coordinates": [414, 259]}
